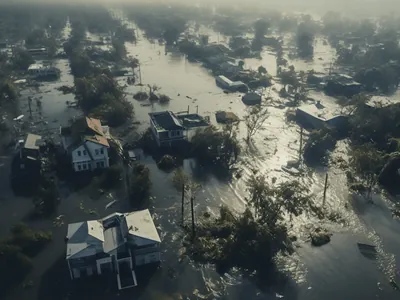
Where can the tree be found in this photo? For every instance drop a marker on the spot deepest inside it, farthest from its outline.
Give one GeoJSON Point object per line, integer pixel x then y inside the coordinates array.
{"type": "Point", "coordinates": [213, 145]}
{"type": "Point", "coordinates": [367, 162]}
{"type": "Point", "coordinates": [254, 120]}
{"type": "Point", "coordinates": [262, 70]}
{"type": "Point", "coordinates": [270, 203]}
{"type": "Point", "coordinates": [260, 29]}
{"type": "Point", "coordinates": [140, 185]}
{"type": "Point", "coordinates": [22, 59]}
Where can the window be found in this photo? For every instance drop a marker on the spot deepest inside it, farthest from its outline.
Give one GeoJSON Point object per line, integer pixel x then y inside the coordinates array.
{"type": "Point", "coordinates": [178, 133]}
{"type": "Point", "coordinates": [79, 153]}
{"type": "Point", "coordinates": [102, 164]}
{"type": "Point", "coordinates": [172, 133]}
{"type": "Point", "coordinates": [84, 166]}
{"type": "Point", "coordinates": [102, 151]}
{"type": "Point", "coordinates": [79, 167]}
{"type": "Point", "coordinates": [96, 151]}
{"type": "Point", "coordinates": [84, 152]}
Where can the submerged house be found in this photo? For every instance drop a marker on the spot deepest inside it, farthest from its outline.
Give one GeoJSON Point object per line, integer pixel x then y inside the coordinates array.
{"type": "Point", "coordinates": [318, 116]}
{"type": "Point", "coordinates": [116, 244]}
{"type": "Point", "coordinates": [42, 71]}
{"type": "Point", "coordinates": [342, 85]}
{"type": "Point", "coordinates": [170, 129]}
{"type": "Point", "coordinates": [233, 86]}
{"type": "Point", "coordinates": [252, 98]}
{"type": "Point", "coordinates": [86, 141]}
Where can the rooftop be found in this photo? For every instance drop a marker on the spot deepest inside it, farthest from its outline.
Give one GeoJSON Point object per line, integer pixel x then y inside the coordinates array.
{"type": "Point", "coordinates": [193, 120]}
{"type": "Point", "coordinates": [35, 67]}
{"type": "Point", "coordinates": [320, 111]}
{"type": "Point", "coordinates": [165, 121]}
{"type": "Point", "coordinates": [107, 234]}
{"type": "Point", "coordinates": [140, 224]}
{"type": "Point", "coordinates": [380, 101]}
{"type": "Point", "coordinates": [33, 141]}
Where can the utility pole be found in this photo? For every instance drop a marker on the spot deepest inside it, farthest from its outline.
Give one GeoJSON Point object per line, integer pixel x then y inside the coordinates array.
{"type": "Point", "coordinates": [325, 188]}
{"type": "Point", "coordinates": [183, 204]}
{"type": "Point", "coordinates": [193, 227]}
{"type": "Point", "coordinates": [140, 75]}
{"type": "Point", "coordinates": [30, 108]}
{"type": "Point", "coordinates": [301, 143]}
{"type": "Point", "coordinates": [188, 109]}
{"type": "Point", "coordinates": [197, 109]}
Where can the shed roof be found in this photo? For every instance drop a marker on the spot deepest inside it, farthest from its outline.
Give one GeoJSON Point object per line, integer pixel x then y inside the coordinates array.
{"type": "Point", "coordinates": [32, 141]}
{"type": "Point", "coordinates": [166, 120]}
{"type": "Point", "coordinates": [140, 224]}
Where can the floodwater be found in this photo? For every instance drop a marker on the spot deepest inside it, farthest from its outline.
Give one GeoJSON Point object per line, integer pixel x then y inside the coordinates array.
{"type": "Point", "coordinates": [334, 271]}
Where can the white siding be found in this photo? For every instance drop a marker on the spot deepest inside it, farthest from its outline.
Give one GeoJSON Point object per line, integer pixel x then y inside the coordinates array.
{"type": "Point", "coordinates": [148, 258]}
{"type": "Point", "coordinates": [91, 157]}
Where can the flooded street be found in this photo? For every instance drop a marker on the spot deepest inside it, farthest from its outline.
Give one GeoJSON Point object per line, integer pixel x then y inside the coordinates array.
{"type": "Point", "coordinates": [334, 271]}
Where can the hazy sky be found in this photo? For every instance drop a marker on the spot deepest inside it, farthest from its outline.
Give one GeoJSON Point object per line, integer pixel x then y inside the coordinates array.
{"type": "Point", "coordinates": [371, 7]}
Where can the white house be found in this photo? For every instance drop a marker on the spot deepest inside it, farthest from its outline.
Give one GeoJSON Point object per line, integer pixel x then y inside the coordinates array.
{"type": "Point", "coordinates": [166, 128]}
{"type": "Point", "coordinates": [86, 140]}
{"type": "Point", "coordinates": [117, 243]}
{"type": "Point", "coordinates": [40, 71]}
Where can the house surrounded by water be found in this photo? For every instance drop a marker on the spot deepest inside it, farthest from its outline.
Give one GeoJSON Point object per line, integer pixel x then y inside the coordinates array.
{"type": "Point", "coordinates": [318, 116]}
{"type": "Point", "coordinates": [86, 141]}
{"type": "Point", "coordinates": [116, 244]}
{"type": "Point", "coordinates": [170, 129]}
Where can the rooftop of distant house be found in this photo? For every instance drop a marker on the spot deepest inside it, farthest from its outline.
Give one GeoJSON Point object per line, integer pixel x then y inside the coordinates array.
{"type": "Point", "coordinates": [165, 121]}
{"type": "Point", "coordinates": [87, 129]}
{"type": "Point", "coordinates": [321, 112]}
{"type": "Point", "coordinates": [33, 141]}
{"type": "Point", "coordinates": [380, 101]}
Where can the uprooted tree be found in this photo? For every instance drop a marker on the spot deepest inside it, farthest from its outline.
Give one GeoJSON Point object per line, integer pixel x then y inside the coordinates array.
{"type": "Point", "coordinates": [254, 120]}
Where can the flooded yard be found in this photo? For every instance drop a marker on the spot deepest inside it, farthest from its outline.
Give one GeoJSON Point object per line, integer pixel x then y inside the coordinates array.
{"type": "Point", "coordinates": [334, 271]}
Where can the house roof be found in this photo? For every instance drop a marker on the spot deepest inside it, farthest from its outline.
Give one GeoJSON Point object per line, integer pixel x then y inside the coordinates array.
{"type": "Point", "coordinates": [32, 141]}
{"type": "Point", "coordinates": [98, 139]}
{"type": "Point", "coordinates": [166, 120]}
{"type": "Point", "coordinates": [140, 224]}
{"type": "Point", "coordinates": [320, 111]}
{"type": "Point", "coordinates": [107, 234]}
{"type": "Point", "coordinates": [83, 235]}
{"type": "Point", "coordinates": [87, 129]}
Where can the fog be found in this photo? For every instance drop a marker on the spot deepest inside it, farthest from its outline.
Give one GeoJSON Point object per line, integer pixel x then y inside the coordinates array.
{"type": "Point", "coordinates": [354, 7]}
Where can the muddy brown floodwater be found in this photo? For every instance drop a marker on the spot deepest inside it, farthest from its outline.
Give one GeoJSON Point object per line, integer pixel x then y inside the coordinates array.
{"type": "Point", "coordinates": [334, 271]}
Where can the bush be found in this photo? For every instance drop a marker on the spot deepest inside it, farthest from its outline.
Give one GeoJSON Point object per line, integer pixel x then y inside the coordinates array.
{"type": "Point", "coordinates": [16, 252]}
{"type": "Point", "coordinates": [167, 162]}
{"type": "Point", "coordinates": [140, 185]}
{"type": "Point", "coordinates": [141, 96]}
{"type": "Point", "coordinates": [163, 99]}
{"type": "Point", "coordinates": [112, 177]}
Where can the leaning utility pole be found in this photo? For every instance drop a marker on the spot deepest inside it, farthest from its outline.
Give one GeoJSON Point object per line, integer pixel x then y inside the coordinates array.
{"type": "Point", "coordinates": [301, 143]}
{"type": "Point", "coordinates": [192, 208]}
{"type": "Point", "coordinates": [183, 204]}
{"type": "Point", "coordinates": [325, 188]}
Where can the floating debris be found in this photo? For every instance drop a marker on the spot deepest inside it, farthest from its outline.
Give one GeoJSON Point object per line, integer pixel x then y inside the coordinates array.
{"type": "Point", "coordinates": [111, 204]}
{"type": "Point", "coordinates": [369, 251]}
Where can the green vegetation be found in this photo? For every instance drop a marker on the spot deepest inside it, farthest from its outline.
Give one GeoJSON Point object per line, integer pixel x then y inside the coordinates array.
{"type": "Point", "coordinates": [16, 253]}
{"type": "Point", "coordinates": [213, 145]}
{"type": "Point", "coordinates": [140, 186]}
{"type": "Point", "coordinates": [252, 239]}
{"type": "Point", "coordinates": [317, 146]}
